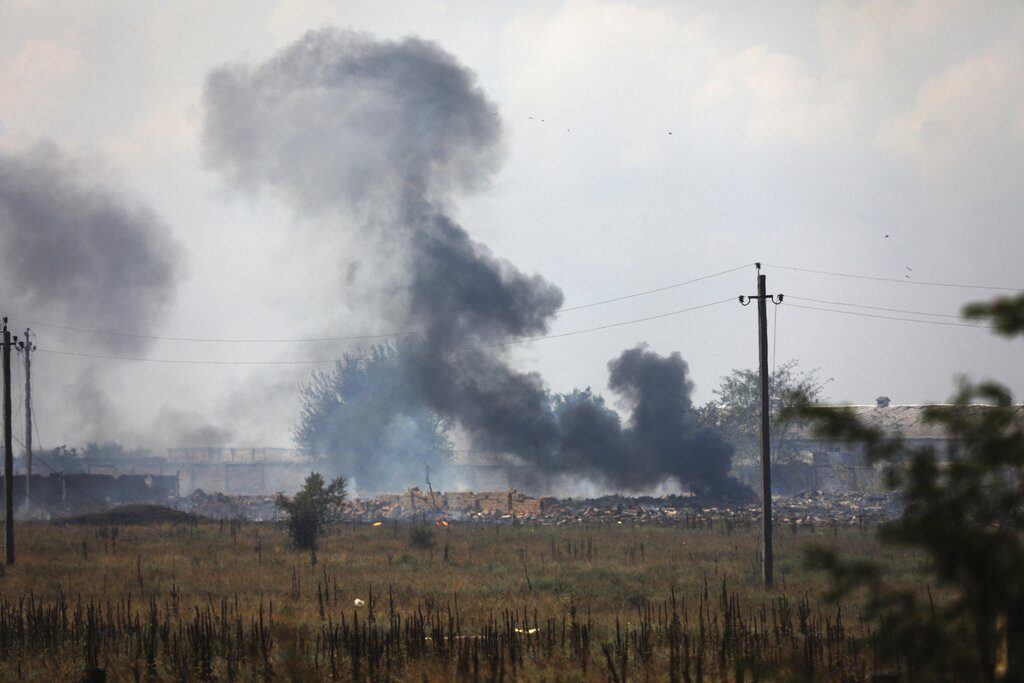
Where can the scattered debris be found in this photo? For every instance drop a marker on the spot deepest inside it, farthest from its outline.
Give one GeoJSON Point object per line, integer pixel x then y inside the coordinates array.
{"type": "Point", "coordinates": [515, 507]}
{"type": "Point", "coordinates": [221, 506]}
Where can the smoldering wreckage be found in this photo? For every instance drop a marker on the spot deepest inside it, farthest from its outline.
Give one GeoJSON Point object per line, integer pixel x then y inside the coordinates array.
{"type": "Point", "coordinates": [512, 507]}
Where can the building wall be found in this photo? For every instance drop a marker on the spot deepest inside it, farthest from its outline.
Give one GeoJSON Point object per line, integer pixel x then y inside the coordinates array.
{"type": "Point", "coordinates": [243, 479]}
{"type": "Point", "coordinates": [62, 492]}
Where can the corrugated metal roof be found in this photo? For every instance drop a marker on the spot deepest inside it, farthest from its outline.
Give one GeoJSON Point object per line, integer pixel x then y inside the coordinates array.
{"type": "Point", "coordinates": [908, 420]}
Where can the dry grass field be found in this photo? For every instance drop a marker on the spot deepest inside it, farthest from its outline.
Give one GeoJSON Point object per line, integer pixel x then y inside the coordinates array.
{"type": "Point", "coordinates": [232, 601]}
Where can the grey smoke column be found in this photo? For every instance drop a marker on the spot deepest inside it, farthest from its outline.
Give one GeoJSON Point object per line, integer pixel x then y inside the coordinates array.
{"type": "Point", "coordinates": [76, 252]}
{"type": "Point", "coordinates": [385, 136]}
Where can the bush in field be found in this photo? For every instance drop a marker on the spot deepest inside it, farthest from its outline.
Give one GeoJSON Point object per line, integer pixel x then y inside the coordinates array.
{"type": "Point", "coordinates": [421, 536]}
{"type": "Point", "coordinates": [311, 508]}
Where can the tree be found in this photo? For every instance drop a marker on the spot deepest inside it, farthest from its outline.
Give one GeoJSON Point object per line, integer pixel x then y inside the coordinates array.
{"type": "Point", "coordinates": [559, 403]}
{"type": "Point", "coordinates": [1006, 314]}
{"type": "Point", "coordinates": [736, 413]}
{"type": "Point", "coordinates": [362, 419]}
{"type": "Point", "coordinates": [964, 509]}
{"type": "Point", "coordinates": [314, 506]}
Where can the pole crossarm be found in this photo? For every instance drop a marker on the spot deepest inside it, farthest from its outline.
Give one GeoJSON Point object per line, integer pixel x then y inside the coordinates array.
{"type": "Point", "coordinates": [774, 298]}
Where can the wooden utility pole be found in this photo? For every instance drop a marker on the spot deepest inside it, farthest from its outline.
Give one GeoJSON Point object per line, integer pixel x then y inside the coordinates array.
{"type": "Point", "coordinates": [28, 348]}
{"type": "Point", "coordinates": [8, 449]}
{"type": "Point", "coordinates": [766, 455]}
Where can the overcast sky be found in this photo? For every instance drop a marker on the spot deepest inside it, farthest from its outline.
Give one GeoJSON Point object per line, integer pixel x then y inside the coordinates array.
{"type": "Point", "coordinates": [645, 144]}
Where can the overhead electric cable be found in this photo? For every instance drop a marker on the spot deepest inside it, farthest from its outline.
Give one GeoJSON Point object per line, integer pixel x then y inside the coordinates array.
{"type": "Point", "coordinates": [227, 340]}
{"type": "Point", "coordinates": [890, 317]}
{"type": "Point", "coordinates": [652, 291]}
{"type": "Point", "coordinates": [877, 308]}
{"type": "Point", "coordinates": [358, 337]}
{"type": "Point", "coordinates": [610, 325]}
{"type": "Point", "coordinates": [896, 280]}
{"type": "Point", "coordinates": [525, 340]}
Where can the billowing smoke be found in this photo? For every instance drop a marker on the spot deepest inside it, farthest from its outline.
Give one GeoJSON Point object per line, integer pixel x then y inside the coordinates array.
{"type": "Point", "coordinates": [661, 439]}
{"type": "Point", "coordinates": [385, 136]}
{"type": "Point", "coordinates": [76, 252]}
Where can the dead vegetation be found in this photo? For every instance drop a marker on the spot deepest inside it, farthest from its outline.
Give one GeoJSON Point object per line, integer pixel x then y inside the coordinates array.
{"type": "Point", "coordinates": [231, 601]}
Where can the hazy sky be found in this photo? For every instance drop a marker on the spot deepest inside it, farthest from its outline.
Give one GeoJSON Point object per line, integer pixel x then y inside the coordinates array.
{"type": "Point", "coordinates": [645, 144]}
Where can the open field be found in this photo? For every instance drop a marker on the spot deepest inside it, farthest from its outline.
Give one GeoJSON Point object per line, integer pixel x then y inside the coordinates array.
{"type": "Point", "coordinates": [231, 601]}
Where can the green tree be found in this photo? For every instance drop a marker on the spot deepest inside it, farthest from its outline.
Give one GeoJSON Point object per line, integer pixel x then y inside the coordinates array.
{"type": "Point", "coordinates": [736, 413]}
{"type": "Point", "coordinates": [363, 420]}
{"type": "Point", "coordinates": [309, 510]}
{"type": "Point", "coordinates": [964, 508]}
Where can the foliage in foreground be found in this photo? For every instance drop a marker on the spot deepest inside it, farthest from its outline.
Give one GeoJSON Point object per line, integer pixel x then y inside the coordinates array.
{"type": "Point", "coordinates": [964, 507]}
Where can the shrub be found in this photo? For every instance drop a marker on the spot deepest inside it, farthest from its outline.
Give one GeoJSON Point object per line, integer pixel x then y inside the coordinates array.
{"type": "Point", "coordinates": [311, 508]}
{"type": "Point", "coordinates": [421, 536]}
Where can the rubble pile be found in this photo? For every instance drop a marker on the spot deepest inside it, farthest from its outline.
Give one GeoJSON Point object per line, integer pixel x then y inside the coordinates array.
{"type": "Point", "coordinates": [222, 506]}
{"type": "Point", "coordinates": [458, 505]}
{"type": "Point", "coordinates": [513, 507]}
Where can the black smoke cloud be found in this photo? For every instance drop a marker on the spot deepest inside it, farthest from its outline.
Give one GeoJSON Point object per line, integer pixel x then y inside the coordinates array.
{"type": "Point", "coordinates": [76, 251]}
{"type": "Point", "coordinates": [79, 252]}
{"type": "Point", "coordinates": [385, 136]}
{"type": "Point", "coordinates": [661, 439]}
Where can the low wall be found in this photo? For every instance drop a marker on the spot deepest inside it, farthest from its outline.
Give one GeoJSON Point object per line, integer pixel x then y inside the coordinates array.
{"type": "Point", "coordinates": [81, 490]}
{"type": "Point", "coordinates": [243, 479]}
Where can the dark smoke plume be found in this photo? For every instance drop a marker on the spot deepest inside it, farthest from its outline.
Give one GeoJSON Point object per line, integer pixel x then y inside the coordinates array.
{"type": "Point", "coordinates": [386, 135]}
{"type": "Point", "coordinates": [78, 252]}
{"type": "Point", "coordinates": [661, 439]}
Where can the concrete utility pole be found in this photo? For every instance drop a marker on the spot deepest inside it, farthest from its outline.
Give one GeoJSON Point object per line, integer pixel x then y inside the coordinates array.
{"type": "Point", "coordinates": [28, 349]}
{"type": "Point", "coordinates": [8, 449]}
{"type": "Point", "coordinates": [766, 456]}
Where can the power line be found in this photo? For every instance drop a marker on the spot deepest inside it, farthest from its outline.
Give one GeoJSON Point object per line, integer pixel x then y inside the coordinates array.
{"type": "Point", "coordinates": [179, 361]}
{"type": "Point", "coordinates": [877, 308]}
{"type": "Point", "coordinates": [182, 361]}
{"type": "Point", "coordinates": [225, 340]}
{"type": "Point", "coordinates": [890, 317]}
{"type": "Point", "coordinates": [895, 280]}
{"type": "Point", "coordinates": [610, 325]}
{"type": "Point", "coordinates": [358, 337]}
{"type": "Point", "coordinates": [653, 291]}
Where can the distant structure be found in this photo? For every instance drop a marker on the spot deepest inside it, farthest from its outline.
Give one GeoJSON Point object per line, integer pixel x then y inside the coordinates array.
{"type": "Point", "coordinates": [829, 465]}
{"type": "Point", "coordinates": [239, 471]}
{"type": "Point", "coordinates": [247, 471]}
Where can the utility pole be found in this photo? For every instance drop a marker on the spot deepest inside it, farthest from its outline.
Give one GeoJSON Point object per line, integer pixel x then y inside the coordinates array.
{"type": "Point", "coordinates": [8, 449]}
{"type": "Point", "coordinates": [766, 456]}
{"type": "Point", "coordinates": [28, 349]}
